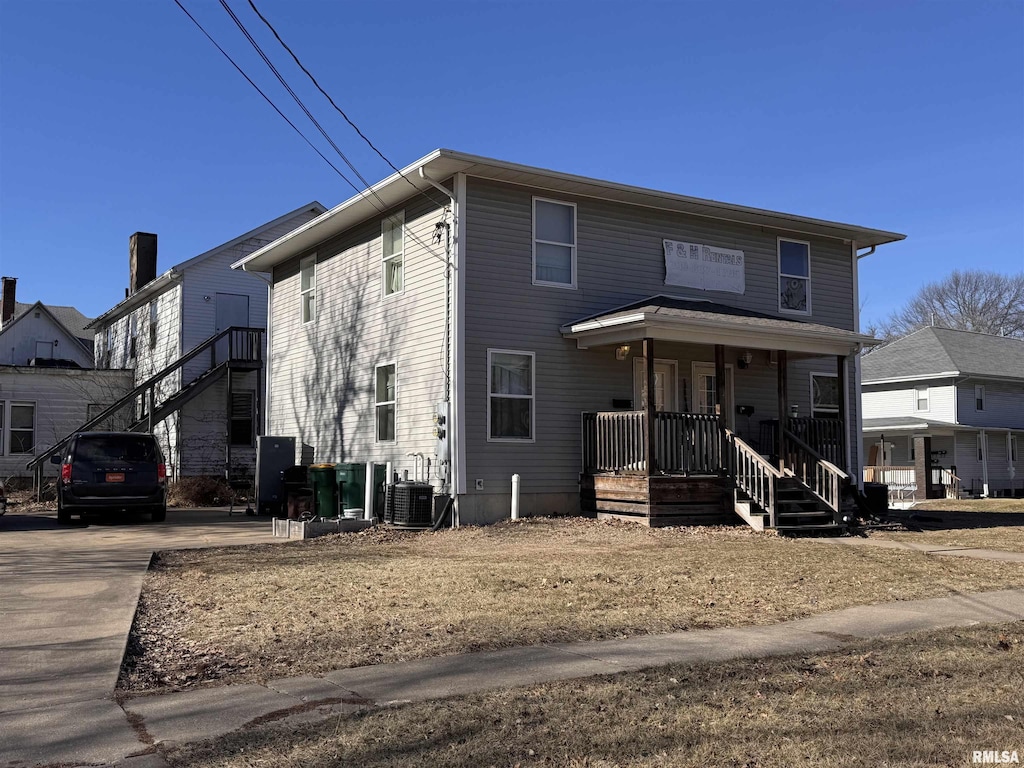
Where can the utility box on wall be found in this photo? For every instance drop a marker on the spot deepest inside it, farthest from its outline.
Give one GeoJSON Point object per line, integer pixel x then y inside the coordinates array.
{"type": "Point", "coordinates": [441, 448]}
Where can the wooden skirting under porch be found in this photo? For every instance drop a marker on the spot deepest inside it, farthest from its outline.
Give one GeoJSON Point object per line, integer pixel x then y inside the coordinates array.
{"type": "Point", "coordinates": [659, 500]}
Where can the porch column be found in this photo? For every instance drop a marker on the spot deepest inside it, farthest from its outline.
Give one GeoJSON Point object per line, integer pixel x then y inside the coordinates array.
{"type": "Point", "coordinates": [923, 466]}
{"type": "Point", "coordinates": [720, 382]}
{"type": "Point", "coordinates": [649, 407]}
{"type": "Point", "coordinates": [783, 406]}
{"type": "Point", "coordinates": [983, 447]}
{"type": "Point", "coordinates": [842, 371]}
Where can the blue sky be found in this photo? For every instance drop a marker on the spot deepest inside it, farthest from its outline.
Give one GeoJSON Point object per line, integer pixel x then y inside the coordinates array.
{"type": "Point", "coordinates": [117, 116]}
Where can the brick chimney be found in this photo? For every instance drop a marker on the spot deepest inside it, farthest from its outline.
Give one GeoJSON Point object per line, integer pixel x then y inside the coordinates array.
{"type": "Point", "coordinates": [141, 260]}
{"type": "Point", "coordinates": [7, 303]}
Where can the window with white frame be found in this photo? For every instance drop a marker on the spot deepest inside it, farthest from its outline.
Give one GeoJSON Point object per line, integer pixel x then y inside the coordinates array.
{"type": "Point", "coordinates": [22, 431]}
{"type": "Point", "coordinates": [392, 232]}
{"type": "Point", "coordinates": [824, 396]}
{"type": "Point", "coordinates": [385, 399]}
{"type": "Point", "coordinates": [307, 288]}
{"type": "Point", "coordinates": [794, 276]}
{"type": "Point", "coordinates": [921, 398]}
{"type": "Point", "coordinates": [510, 401]}
{"type": "Point", "coordinates": [554, 243]}
{"type": "Point", "coordinates": [979, 397]}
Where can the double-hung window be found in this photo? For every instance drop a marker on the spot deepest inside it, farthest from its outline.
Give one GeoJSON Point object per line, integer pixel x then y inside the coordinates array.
{"type": "Point", "coordinates": [392, 231]}
{"type": "Point", "coordinates": [307, 288]}
{"type": "Point", "coordinates": [554, 243]}
{"type": "Point", "coordinates": [979, 397]}
{"type": "Point", "coordinates": [243, 418]}
{"type": "Point", "coordinates": [385, 396]}
{"type": "Point", "coordinates": [153, 317]}
{"type": "Point", "coordinates": [23, 427]}
{"type": "Point", "coordinates": [510, 401]}
{"type": "Point", "coordinates": [824, 396]}
{"type": "Point", "coordinates": [794, 276]}
{"type": "Point", "coordinates": [921, 398]}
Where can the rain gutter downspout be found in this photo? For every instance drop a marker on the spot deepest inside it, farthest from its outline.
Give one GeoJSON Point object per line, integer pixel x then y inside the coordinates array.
{"type": "Point", "coordinates": [865, 255]}
{"type": "Point", "coordinates": [266, 367]}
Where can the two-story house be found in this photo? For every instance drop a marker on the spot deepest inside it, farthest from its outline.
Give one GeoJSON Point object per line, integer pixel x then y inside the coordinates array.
{"type": "Point", "coordinates": [502, 319]}
{"type": "Point", "coordinates": [960, 390]}
{"type": "Point", "coordinates": [47, 381]}
{"type": "Point", "coordinates": [196, 384]}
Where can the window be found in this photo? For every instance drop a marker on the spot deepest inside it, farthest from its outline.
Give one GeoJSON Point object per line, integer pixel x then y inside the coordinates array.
{"type": "Point", "coordinates": [921, 398]}
{"type": "Point", "coordinates": [824, 396]}
{"type": "Point", "coordinates": [307, 288]}
{"type": "Point", "coordinates": [243, 417]}
{"type": "Point", "coordinates": [554, 243]}
{"type": "Point", "coordinates": [133, 335]}
{"type": "Point", "coordinates": [1013, 448]}
{"type": "Point", "coordinates": [152, 323]}
{"type": "Point", "coordinates": [385, 399]}
{"type": "Point", "coordinates": [23, 430]}
{"type": "Point", "coordinates": [392, 233]}
{"type": "Point", "coordinates": [794, 276]}
{"type": "Point", "coordinates": [979, 397]}
{"type": "Point", "coordinates": [510, 384]}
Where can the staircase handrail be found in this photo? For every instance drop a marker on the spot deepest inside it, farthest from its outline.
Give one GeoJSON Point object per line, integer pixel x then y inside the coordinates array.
{"type": "Point", "coordinates": [825, 480]}
{"type": "Point", "coordinates": [754, 475]}
{"type": "Point", "coordinates": [150, 382]}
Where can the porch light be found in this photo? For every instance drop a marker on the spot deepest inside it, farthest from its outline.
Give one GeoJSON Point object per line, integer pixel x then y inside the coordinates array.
{"type": "Point", "coordinates": [794, 411]}
{"type": "Point", "coordinates": [621, 351]}
{"type": "Point", "coordinates": [744, 360]}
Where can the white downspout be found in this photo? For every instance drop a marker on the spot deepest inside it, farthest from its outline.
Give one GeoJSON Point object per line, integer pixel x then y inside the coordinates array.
{"type": "Point", "coordinates": [983, 446]}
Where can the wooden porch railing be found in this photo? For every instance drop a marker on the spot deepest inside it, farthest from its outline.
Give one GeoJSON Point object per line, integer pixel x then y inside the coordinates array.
{"type": "Point", "coordinates": [689, 443]}
{"type": "Point", "coordinates": [948, 480]}
{"type": "Point", "coordinates": [824, 436]}
{"type": "Point", "coordinates": [823, 477]}
{"type": "Point", "coordinates": [753, 474]}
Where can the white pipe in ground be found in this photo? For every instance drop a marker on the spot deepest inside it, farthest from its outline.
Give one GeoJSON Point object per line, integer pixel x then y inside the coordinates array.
{"type": "Point", "coordinates": [515, 497]}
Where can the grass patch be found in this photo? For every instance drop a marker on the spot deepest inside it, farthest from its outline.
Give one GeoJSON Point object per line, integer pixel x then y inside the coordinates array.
{"type": "Point", "coordinates": [993, 506]}
{"type": "Point", "coordinates": [981, 523]}
{"type": "Point", "coordinates": [246, 614]}
{"type": "Point", "coordinates": [929, 699]}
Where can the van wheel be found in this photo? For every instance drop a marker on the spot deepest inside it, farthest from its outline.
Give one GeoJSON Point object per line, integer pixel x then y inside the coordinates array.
{"type": "Point", "coordinates": [63, 516]}
{"type": "Point", "coordinates": [158, 515]}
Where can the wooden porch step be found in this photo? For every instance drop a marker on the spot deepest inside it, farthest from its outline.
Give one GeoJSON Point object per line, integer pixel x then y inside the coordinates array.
{"type": "Point", "coordinates": [796, 530]}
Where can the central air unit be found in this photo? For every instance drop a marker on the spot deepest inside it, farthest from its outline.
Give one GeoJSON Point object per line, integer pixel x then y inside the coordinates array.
{"type": "Point", "coordinates": [410, 505]}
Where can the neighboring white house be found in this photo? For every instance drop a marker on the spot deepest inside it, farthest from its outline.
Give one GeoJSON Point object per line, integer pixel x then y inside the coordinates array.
{"type": "Point", "coordinates": [499, 319]}
{"type": "Point", "coordinates": [963, 390]}
{"type": "Point", "coordinates": [47, 384]}
{"type": "Point", "coordinates": [205, 409]}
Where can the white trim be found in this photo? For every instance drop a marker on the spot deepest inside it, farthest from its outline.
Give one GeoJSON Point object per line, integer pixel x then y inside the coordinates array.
{"type": "Point", "coordinates": [303, 263]}
{"type": "Point", "coordinates": [979, 388]}
{"type": "Point", "coordinates": [908, 379]}
{"type": "Point", "coordinates": [855, 275]}
{"type": "Point", "coordinates": [983, 449]}
{"type": "Point", "coordinates": [730, 378]}
{"type": "Point", "coordinates": [458, 433]}
{"type": "Point", "coordinates": [927, 397]}
{"type": "Point", "coordinates": [810, 388]}
{"type": "Point", "coordinates": [640, 366]}
{"type": "Point", "coordinates": [780, 275]}
{"type": "Point", "coordinates": [571, 285]}
{"type": "Point", "coordinates": [378, 403]}
{"type": "Point", "coordinates": [8, 425]}
{"type": "Point", "coordinates": [532, 397]}
{"type": "Point", "coordinates": [391, 219]}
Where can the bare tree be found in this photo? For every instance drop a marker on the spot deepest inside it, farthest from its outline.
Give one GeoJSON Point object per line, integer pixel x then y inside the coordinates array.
{"type": "Point", "coordinates": [974, 300]}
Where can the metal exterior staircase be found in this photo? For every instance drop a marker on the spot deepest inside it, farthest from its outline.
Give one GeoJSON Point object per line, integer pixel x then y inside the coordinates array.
{"type": "Point", "coordinates": [231, 349]}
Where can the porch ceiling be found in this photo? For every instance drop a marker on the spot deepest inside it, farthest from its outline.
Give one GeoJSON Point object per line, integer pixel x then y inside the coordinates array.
{"type": "Point", "coordinates": [667, 318]}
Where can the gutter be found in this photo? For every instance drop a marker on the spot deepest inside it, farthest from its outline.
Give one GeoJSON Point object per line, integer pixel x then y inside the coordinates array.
{"type": "Point", "coordinates": [270, 329]}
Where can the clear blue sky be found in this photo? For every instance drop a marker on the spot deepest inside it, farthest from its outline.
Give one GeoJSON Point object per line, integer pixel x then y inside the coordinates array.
{"type": "Point", "coordinates": [119, 116]}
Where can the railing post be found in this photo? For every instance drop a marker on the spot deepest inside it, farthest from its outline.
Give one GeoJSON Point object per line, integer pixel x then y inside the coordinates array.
{"type": "Point", "coordinates": [650, 408]}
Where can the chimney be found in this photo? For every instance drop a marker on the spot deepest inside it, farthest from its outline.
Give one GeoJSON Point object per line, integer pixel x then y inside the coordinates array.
{"type": "Point", "coordinates": [7, 303]}
{"type": "Point", "coordinates": [141, 260]}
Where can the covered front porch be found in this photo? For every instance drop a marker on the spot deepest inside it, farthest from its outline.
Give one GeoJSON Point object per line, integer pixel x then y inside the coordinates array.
{"type": "Point", "coordinates": [751, 416]}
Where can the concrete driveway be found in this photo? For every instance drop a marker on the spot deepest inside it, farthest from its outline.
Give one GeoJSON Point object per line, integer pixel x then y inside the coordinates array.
{"type": "Point", "coordinates": [67, 599]}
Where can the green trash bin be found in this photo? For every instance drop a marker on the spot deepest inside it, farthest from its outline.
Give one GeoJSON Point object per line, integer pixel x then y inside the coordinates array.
{"type": "Point", "coordinates": [324, 480]}
{"type": "Point", "coordinates": [352, 480]}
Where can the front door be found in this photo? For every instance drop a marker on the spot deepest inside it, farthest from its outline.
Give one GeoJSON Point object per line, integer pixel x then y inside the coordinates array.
{"type": "Point", "coordinates": [705, 391]}
{"type": "Point", "coordinates": [232, 311]}
{"type": "Point", "coordinates": [666, 384]}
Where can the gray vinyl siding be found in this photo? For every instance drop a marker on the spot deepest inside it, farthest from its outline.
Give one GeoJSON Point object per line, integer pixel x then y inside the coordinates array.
{"type": "Point", "coordinates": [322, 373]}
{"type": "Point", "coordinates": [61, 398]}
{"type": "Point", "coordinates": [900, 399]}
{"type": "Point", "coordinates": [620, 259]}
{"type": "Point", "coordinates": [18, 342]}
{"type": "Point", "coordinates": [1004, 404]}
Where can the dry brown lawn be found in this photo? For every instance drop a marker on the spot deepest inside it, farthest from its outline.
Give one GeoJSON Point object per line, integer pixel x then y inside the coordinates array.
{"type": "Point", "coordinates": [982, 523]}
{"type": "Point", "coordinates": [922, 700]}
{"type": "Point", "coordinates": [305, 608]}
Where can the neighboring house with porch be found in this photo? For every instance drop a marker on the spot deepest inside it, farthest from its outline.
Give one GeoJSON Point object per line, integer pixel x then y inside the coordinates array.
{"type": "Point", "coordinates": [959, 393]}
{"type": "Point", "coordinates": [47, 381]}
{"type": "Point", "coordinates": [502, 319]}
{"type": "Point", "coordinates": [195, 384]}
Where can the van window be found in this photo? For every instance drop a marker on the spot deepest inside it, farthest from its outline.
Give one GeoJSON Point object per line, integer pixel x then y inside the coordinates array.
{"type": "Point", "coordinates": [106, 448]}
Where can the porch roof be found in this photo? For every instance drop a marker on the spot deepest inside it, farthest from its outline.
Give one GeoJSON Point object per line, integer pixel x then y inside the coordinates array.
{"type": "Point", "coordinates": [914, 424]}
{"type": "Point", "coordinates": [671, 318]}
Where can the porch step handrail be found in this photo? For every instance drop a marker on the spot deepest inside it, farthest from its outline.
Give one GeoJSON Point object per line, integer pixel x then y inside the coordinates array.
{"type": "Point", "coordinates": [754, 475]}
{"type": "Point", "coordinates": [822, 477]}
{"type": "Point", "coordinates": [947, 479]}
{"type": "Point", "coordinates": [244, 345]}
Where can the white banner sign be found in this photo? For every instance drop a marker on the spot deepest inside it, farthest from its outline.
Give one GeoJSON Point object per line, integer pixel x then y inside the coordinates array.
{"type": "Point", "coordinates": [706, 267]}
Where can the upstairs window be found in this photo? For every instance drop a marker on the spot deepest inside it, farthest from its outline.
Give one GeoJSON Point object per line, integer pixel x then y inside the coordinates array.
{"type": "Point", "coordinates": [307, 288]}
{"type": "Point", "coordinates": [392, 231]}
{"type": "Point", "coordinates": [153, 317]}
{"type": "Point", "coordinates": [554, 243]}
{"type": "Point", "coordinates": [794, 276]}
{"type": "Point", "coordinates": [385, 400]}
{"type": "Point", "coordinates": [979, 397]}
{"type": "Point", "coordinates": [921, 398]}
{"type": "Point", "coordinates": [510, 383]}
{"type": "Point", "coordinates": [824, 396]}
